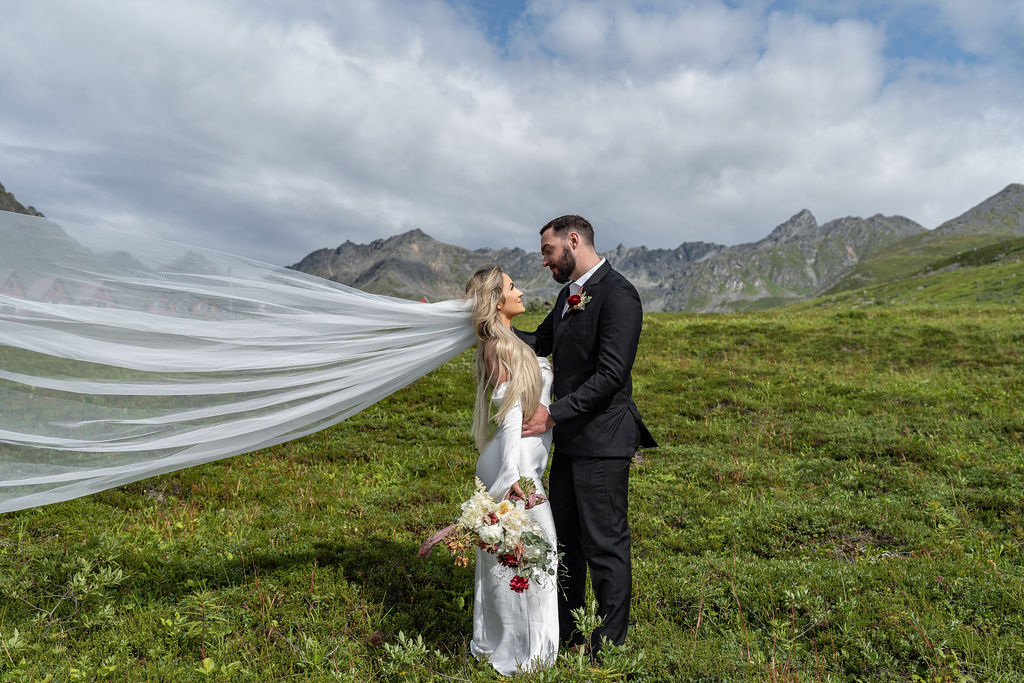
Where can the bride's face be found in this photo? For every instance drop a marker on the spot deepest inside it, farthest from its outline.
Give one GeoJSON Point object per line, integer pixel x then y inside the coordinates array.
{"type": "Point", "coordinates": [511, 303]}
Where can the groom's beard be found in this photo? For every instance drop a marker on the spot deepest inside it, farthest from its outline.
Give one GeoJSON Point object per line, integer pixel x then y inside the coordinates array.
{"type": "Point", "coordinates": [563, 269]}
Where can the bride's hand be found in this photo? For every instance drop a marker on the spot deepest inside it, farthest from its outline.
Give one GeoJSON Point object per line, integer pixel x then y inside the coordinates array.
{"type": "Point", "coordinates": [516, 493]}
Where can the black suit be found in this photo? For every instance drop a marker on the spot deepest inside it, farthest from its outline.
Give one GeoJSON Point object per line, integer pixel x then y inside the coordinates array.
{"type": "Point", "coordinates": [597, 431]}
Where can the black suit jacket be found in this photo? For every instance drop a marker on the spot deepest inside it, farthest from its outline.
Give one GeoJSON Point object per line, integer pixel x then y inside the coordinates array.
{"type": "Point", "coordinates": [592, 352]}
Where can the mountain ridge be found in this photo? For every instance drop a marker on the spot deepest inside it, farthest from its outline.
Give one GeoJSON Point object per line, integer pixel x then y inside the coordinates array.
{"type": "Point", "coordinates": [798, 260]}
{"type": "Point", "coordinates": [1004, 210]}
{"type": "Point", "coordinates": [790, 263]}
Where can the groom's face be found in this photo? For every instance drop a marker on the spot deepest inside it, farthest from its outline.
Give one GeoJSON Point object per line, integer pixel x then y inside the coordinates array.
{"type": "Point", "coordinates": [558, 256]}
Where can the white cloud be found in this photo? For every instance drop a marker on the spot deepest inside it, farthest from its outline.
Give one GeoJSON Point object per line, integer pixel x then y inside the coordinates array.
{"type": "Point", "coordinates": [641, 39]}
{"type": "Point", "coordinates": [272, 132]}
{"type": "Point", "coordinates": [990, 28]}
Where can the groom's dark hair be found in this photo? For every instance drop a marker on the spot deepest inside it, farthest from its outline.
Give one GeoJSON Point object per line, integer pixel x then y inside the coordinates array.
{"type": "Point", "coordinates": [563, 225]}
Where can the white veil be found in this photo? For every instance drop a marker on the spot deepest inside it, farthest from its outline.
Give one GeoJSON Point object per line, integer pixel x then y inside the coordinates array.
{"type": "Point", "coordinates": [123, 357]}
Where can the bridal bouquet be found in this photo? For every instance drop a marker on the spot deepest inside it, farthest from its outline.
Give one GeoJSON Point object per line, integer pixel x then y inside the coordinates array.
{"type": "Point", "coordinates": [502, 529]}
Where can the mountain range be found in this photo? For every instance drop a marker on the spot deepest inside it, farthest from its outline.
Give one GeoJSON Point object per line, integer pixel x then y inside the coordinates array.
{"type": "Point", "coordinates": [798, 260]}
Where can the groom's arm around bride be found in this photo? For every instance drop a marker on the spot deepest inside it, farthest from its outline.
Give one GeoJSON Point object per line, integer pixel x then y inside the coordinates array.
{"type": "Point", "coordinates": [592, 334]}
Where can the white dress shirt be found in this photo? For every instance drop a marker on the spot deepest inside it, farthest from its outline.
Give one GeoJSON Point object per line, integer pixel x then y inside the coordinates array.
{"type": "Point", "coordinates": [576, 285]}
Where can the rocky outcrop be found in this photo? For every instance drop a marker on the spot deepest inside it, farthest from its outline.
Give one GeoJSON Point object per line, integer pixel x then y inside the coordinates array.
{"type": "Point", "coordinates": [9, 203]}
{"type": "Point", "coordinates": [1000, 213]}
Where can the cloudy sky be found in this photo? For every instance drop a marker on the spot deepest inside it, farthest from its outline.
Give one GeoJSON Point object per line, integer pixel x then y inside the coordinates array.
{"type": "Point", "coordinates": [272, 129]}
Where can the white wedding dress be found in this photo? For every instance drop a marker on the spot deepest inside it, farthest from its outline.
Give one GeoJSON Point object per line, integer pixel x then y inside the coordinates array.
{"type": "Point", "coordinates": [515, 632]}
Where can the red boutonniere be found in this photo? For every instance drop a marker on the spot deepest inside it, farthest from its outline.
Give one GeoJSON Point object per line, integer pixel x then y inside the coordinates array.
{"type": "Point", "coordinates": [577, 302]}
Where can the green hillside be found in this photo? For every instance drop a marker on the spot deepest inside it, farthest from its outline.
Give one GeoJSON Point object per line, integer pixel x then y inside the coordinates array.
{"type": "Point", "coordinates": [910, 256]}
{"type": "Point", "coordinates": [838, 496]}
{"type": "Point", "coordinates": [992, 273]}
{"type": "Point", "coordinates": [997, 252]}
{"type": "Point", "coordinates": [995, 220]}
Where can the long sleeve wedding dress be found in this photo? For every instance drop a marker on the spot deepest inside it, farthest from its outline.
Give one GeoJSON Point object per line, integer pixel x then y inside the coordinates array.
{"type": "Point", "coordinates": [515, 632]}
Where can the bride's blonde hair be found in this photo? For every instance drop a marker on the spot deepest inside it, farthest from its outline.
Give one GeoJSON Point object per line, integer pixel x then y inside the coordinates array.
{"type": "Point", "coordinates": [499, 353]}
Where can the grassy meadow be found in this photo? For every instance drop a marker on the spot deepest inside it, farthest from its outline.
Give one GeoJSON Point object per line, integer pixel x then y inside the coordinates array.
{"type": "Point", "coordinates": [838, 496]}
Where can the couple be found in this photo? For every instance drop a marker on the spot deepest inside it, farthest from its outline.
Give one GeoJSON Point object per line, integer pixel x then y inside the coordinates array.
{"type": "Point", "coordinates": [586, 405]}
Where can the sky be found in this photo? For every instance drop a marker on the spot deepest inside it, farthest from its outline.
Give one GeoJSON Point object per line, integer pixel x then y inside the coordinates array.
{"type": "Point", "coordinates": [272, 129]}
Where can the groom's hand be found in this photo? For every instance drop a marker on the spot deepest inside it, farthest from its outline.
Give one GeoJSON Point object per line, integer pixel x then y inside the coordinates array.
{"type": "Point", "coordinates": [539, 423]}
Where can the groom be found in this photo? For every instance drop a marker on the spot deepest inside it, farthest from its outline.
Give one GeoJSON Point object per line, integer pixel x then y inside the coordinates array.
{"type": "Point", "coordinates": [592, 334]}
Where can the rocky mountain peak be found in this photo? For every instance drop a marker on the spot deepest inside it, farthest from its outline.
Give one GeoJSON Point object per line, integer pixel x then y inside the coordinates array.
{"type": "Point", "coordinates": [408, 238]}
{"type": "Point", "coordinates": [800, 224]}
{"type": "Point", "coordinates": [621, 251]}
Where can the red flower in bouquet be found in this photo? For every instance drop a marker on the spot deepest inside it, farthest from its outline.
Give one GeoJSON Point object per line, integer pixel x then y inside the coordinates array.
{"type": "Point", "coordinates": [574, 300]}
{"type": "Point", "coordinates": [508, 559]}
{"type": "Point", "coordinates": [519, 583]}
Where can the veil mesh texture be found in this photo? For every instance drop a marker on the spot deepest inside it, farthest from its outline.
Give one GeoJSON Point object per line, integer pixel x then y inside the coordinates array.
{"type": "Point", "coordinates": [123, 357]}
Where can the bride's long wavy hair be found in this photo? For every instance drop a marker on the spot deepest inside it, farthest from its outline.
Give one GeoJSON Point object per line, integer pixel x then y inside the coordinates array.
{"type": "Point", "coordinates": [509, 355]}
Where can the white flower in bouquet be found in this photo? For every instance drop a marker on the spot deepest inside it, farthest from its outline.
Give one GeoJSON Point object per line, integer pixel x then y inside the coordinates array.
{"type": "Point", "coordinates": [533, 552]}
{"type": "Point", "coordinates": [477, 508]}
{"type": "Point", "coordinates": [515, 521]}
{"type": "Point", "coordinates": [490, 534]}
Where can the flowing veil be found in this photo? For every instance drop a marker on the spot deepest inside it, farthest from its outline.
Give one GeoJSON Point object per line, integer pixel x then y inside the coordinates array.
{"type": "Point", "coordinates": [124, 357]}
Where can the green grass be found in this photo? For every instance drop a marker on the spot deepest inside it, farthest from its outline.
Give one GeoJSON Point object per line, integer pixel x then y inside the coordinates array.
{"type": "Point", "coordinates": [752, 305]}
{"type": "Point", "coordinates": [910, 256]}
{"type": "Point", "coordinates": [839, 495]}
{"type": "Point", "coordinates": [988, 275]}
{"type": "Point", "coordinates": [998, 252]}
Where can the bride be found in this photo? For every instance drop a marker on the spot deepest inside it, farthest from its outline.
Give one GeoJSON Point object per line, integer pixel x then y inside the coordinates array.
{"type": "Point", "coordinates": [125, 357]}
{"type": "Point", "coordinates": [514, 632]}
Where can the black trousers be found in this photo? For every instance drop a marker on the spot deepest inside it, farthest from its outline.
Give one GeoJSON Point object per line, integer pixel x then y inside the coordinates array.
{"type": "Point", "coordinates": [589, 501]}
